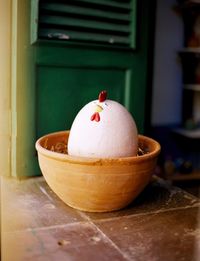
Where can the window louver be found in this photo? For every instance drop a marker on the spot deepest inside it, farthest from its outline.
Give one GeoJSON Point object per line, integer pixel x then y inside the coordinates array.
{"type": "Point", "coordinates": [107, 22]}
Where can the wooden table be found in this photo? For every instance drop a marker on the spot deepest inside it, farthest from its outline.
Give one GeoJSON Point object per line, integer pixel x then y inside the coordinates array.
{"type": "Point", "coordinates": [162, 224]}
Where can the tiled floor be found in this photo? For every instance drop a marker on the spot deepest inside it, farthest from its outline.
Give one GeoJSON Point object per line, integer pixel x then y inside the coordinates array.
{"type": "Point", "coordinates": [192, 186]}
{"type": "Point", "coordinates": [163, 223]}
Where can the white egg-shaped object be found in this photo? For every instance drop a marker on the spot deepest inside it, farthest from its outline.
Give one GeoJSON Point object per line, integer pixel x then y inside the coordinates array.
{"type": "Point", "coordinates": [103, 129]}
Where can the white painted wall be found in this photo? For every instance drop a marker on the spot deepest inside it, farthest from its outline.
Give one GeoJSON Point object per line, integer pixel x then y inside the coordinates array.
{"type": "Point", "coordinates": [167, 78]}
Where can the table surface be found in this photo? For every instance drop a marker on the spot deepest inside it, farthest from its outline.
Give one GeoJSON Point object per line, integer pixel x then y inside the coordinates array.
{"type": "Point", "coordinates": [163, 223]}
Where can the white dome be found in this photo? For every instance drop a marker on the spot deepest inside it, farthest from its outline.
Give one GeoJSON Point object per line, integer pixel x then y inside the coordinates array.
{"type": "Point", "coordinates": [103, 130]}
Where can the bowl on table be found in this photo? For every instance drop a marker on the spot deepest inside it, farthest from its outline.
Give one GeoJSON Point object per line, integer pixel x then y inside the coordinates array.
{"type": "Point", "coordinates": [95, 184]}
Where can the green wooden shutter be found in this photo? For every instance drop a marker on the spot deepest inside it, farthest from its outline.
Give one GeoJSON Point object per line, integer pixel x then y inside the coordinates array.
{"type": "Point", "coordinates": [54, 73]}
{"type": "Point", "coordinates": [105, 22]}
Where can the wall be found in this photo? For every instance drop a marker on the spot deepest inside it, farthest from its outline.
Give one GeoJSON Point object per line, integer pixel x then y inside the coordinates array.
{"type": "Point", "coordinates": [167, 82]}
{"type": "Point", "coordinates": [5, 102]}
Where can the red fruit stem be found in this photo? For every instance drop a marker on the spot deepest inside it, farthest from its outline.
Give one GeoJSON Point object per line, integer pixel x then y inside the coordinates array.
{"type": "Point", "coordinates": [102, 96]}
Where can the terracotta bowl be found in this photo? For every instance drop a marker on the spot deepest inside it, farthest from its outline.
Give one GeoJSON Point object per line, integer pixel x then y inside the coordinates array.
{"type": "Point", "coordinates": [96, 185]}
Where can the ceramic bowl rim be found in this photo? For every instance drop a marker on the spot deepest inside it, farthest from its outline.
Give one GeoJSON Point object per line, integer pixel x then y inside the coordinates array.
{"type": "Point", "coordinates": [96, 161]}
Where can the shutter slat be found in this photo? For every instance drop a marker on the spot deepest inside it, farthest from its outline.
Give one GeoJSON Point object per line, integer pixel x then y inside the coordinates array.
{"type": "Point", "coordinates": [84, 11]}
{"type": "Point", "coordinates": [81, 23]}
{"type": "Point", "coordinates": [108, 3]}
{"type": "Point", "coordinates": [71, 35]}
{"type": "Point", "coordinates": [123, 5]}
{"type": "Point", "coordinates": [108, 22]}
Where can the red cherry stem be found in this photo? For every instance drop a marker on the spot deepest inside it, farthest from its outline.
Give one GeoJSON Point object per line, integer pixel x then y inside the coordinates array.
{"type": "Point", "coordinates": [102, 96]}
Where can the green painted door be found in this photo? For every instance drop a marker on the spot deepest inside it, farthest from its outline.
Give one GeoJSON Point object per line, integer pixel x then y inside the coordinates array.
{"type": "Point", "coordinates": [70, 74]}
{"type": "Point", "coordinates": [63, 90]}
{"type": "Point", "coordinates": [75, 49]}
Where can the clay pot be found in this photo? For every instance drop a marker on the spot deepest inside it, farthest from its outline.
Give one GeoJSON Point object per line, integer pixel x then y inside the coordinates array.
{"type": "Point", "coordinates": [96, 185]}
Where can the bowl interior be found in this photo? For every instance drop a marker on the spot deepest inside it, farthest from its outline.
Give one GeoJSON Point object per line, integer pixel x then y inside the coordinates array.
{"type": "Point", "coordinates": [55, 143]}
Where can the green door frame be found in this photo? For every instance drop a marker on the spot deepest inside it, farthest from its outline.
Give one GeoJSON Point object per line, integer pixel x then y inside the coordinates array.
{"type": "Point", "coordinates": [23, 160]}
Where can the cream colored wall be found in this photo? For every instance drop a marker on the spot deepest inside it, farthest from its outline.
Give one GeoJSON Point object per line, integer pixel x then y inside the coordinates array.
{"type": "Point", "coordinates": [17, 91]}
{"type": "Point", "coordinates": [5, 87]}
